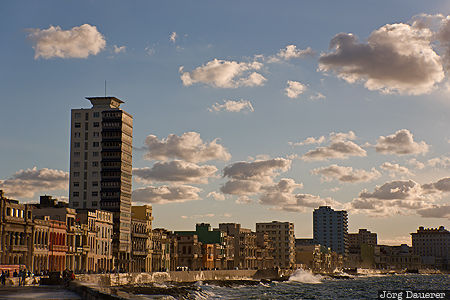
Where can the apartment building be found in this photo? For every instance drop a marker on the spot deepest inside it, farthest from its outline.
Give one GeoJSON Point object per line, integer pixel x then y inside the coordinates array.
{"type": "Point", "coordinates": [330, 229]}
{"type": "Point", "coordinates": [281, 235]}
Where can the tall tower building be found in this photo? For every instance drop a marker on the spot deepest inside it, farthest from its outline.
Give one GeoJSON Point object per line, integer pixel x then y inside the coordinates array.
{"type": "Point", "coordinates": [331, 229]}
{"type": "Point", "coordinates": [100, 167]}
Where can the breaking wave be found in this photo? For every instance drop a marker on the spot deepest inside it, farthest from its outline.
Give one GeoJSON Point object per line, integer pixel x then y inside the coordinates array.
{"type": "Point", "coordinates": [304, 276]}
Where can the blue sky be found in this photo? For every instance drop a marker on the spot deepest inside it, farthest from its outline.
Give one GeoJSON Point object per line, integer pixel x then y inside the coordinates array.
{"type": "Point", "coordinates": [385, 87]}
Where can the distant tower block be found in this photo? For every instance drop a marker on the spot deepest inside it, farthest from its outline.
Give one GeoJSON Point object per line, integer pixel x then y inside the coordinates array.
{"type": "Point", "coordinates": [100, 167]}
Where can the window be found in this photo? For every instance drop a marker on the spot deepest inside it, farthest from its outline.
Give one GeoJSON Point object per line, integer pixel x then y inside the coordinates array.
{"type": "Point", "coordinates": [96, 114]}
{"type": "Point", "coordinates": [76, 194]}
{"type": "Point", "coordinates": [76, 145]}
{"type": "Point", "coordinates": [96, 134]}
{"type": "Point", "coordinates": [76, 164]}
{"type": "Point", "coordinates": [76, 174]}
{"type": "Point", "coordinates": [8, 211]}
{"type": "Point", "coordinates": [75, 204]}
{"type": "Point", "coordinates": [76, 154]}
{"type": "Point", "coordinates": [95, 154]}
{"type": "Point", "coordinates": [94, 203]}
{"type": "Point", "coordinates": [77, 134]}
{"type": "Point", "coordinates": [77, 115]}
{"type": "Point", "coordinates": [94, 174]}
{"type": "Point", "coordinates": [76, 183]}
{"type": "Point", "coordinates": [95, 144]}
{"type": "Point", "coordinates": [95, 163]}
{"type": "Point", "coordinates": [77, 125]}
{"type": "Point", "coordinates": [86, 116]}
{"type": "Point", "coordinates": [96, 124]}
{"type": "Point", "coordinates": [94, 194]}
{"type": "Point", "coordinates": [94, 183]}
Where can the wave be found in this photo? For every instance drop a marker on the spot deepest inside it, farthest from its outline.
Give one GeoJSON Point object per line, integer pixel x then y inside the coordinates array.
{"type": "Point", "coordinates": [304, 276]}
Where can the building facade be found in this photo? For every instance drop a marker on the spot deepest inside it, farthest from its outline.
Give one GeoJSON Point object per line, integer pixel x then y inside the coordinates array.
{"type": "Point", "coordinates": [100, 167]}
{"type": "Point", "coordinates": [142, 234]}
{"type": "Point", "coordinates": [433, 247]}
{"type": "Point", "coordinates": [281, 234]}
{"type": "Point", "coordinates": [330, 229]}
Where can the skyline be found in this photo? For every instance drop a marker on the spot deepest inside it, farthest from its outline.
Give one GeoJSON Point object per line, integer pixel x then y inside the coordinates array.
{"type": "Point", "coordinates": [247, 121]}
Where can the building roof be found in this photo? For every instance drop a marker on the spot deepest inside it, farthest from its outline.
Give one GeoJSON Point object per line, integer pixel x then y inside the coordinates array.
{"type": "Point", "coordinates": [105, 101]}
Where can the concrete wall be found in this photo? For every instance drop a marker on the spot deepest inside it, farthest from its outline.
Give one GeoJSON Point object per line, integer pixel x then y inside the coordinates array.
{"type": "Point", "coordinates": [179, 276]}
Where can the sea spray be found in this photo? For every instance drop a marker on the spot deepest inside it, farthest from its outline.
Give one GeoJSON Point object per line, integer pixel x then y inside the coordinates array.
{"type": "Point", "coordinates": [304, 276]}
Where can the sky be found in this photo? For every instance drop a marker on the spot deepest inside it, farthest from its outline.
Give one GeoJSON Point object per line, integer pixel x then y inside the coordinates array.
{"type": "Point", "coordinates": [244, 111]}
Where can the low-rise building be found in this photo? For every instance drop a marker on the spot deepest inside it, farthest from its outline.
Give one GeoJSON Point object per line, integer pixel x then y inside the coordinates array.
{"type": "Point", "coordinates": [433, 247]}
{"type": "Point", "coordinates": [141, 236]}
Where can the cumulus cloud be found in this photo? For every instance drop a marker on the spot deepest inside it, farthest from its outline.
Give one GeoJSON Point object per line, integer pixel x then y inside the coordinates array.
{"type": "Point", "coordinates": [317, 96]}
{"type": "Point", "coordinates": [260, 170]}
{"type": "Point", "coordinates": [400, 143]}
{"type": "Point", "coordinates": [78, 42]}
{"type": "Point", "coordinates": [120, 49]}
{"type": "Point", "coordinates": [26, 183]}
{"type": "Point", "coordinates": [225, 74]}
{"type": "Point", "coordinates": [439, 162]}
{"type": "Point", "coordinates": [232, 106]}
{"type": "Point", "coordinates": [166, 194]}
{"type": "Point", "coordinates": [173, 37]}
{"type": "Point", "coordinates": [309, 141]}
{"type": "Point", "coordinates": [339, 149]}
{"type": "Point", "coordinates": [397, 58]}
{"type": "Point", "coordinates": [405, 197]}
{"type": "Point", "coordinates": [281, 193]}
{"type": "Point", "coordinates": [291, 52]}
{"type": "Point", "coordinates": [416, 164]}
{"type": "Point", "coordinates": [294, 89]}
{"type": "Point", "coordinates": [216, 196]}
{"type": "Point", "coordinates": [395, 169]}
{"type": "Point", "coordinates": [175, 171]}
{"type": "Point", "coordinates": [189, 147]}
{"type": "Point", "coordinates": [346, 174]}
{"type": "Point", "coordinates": [436, 211]}
{"type": "Point", "coordinates": [244, 200]}
{"type": "Point", "coordinates": [241, 187]}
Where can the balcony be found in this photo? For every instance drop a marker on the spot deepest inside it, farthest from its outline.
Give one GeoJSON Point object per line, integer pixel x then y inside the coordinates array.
{"type": "Point", "coordinates": [18, 248]}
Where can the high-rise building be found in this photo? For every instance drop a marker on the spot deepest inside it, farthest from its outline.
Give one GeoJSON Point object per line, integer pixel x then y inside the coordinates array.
{"type": "Point", "coordinates": [100, 167]}
{"type": "Point", "coordinates": [331, 229]}
{"type": "Point", "coordinates": [281, 234]}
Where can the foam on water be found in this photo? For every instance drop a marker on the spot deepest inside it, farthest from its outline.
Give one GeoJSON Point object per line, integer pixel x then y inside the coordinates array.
{"type": "Point", "coordinates": [304, 276]}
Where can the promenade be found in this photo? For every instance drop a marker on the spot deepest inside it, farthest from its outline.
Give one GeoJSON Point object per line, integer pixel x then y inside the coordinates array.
{"type": "Point", "coordinates": [37, 292]}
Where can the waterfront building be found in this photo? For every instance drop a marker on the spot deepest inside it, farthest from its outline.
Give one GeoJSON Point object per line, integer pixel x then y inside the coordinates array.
{"type": "Point", "coordinates": [244, 245]}
{"type": "Point", "coordinates": [264, 251]}
{"type": "Point", "coordinates": [330, 229]}
{"type": "Point", "coordinates": [96, 240]}
{"type": "Point", "coordinates": [433, 247]}
{"type": "Point", "coordinates": [40, 245]}
{"type": "Point", "coordinates": [361, 247]}
{"type": "Point", "coordinates": [100, 167]}
{"type": "Point", "coordinates": [190, 252]}
{"type": "Point", "coordinates": [142, 245]}
{"type": "Point", "coordinates": [165, 250]}
{"type": "Point", "coordinates": [57, 246]}
{"type": "Point", "coordinates": [57, 210]}
{"type": "Point", "coordinates": [16, 232]}
{"type": "Point", "coordinates": [396, 258]}
{"type": "Point", "coordinates": [282, 237]}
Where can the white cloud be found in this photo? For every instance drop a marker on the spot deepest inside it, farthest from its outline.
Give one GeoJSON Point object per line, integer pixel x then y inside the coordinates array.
{"type": "Point", "coordinates": [166, 194]}
{"type": "Point", "coordinates": [346, 174]}
{"type": "Point", "coordinates": [149, 50]}
{"type": "Point", "coordinates": [189, 147]}
{"type": "Point", "coordinates": [442, 162]}
{"type": "Point", "coordinates": [173, 37]}
{"type": "Point", "coordinates": [120, 49]}
{"type": "Point", "coordinates": [395, 169]}
{"type": "Point", "coordinates": [400, 143]}
{"type": "Point", "coordinates": [317, 96]}
{"type": "Point", "coordinates": [309, 141]}
{"type": "Point", "coordinates": [294, 89]}
{"type": "Point", "coordinates": [281, 193]}
{"type": "Point", "coordinates": [216, 196]}
{"type": "Point", "coordinates": [175, 171]}
{"type": "Point", "coordinates": [260, 170]}
{"type": "Point", "coordinates": [225, 74]}
{"type": "Point", "coordinates": [404, 197]}
{"type": "Point", "coordinates": [340, 149]}
{"type": "Point", "coordinates": [290, 52]}
{"type": "Point", "coordinates": [233, 106]}
{"type": "Point", "coordinates": [398, 58]}
{"type": "Point", "coordinates": [243, 200]}
{"type": "Point", "coordinates": [416, 164]}
{"type": "Point", "coordinates": [78, 42]}
{"type": "Point", "coordinates": [26, 183]}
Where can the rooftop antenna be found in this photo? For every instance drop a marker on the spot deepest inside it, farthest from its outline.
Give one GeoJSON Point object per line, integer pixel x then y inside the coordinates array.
{"type": "Point", "coordinates": [105, 88]}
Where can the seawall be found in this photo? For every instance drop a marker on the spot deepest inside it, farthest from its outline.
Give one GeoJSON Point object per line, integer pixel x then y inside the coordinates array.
{"type": "Point", "coordinates": [106, 280]}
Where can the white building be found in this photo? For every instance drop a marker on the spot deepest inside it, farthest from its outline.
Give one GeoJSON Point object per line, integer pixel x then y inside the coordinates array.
{"type": "Point", "coordinates": [100, 166]}
{"type": "Point", "coordinates": [281, 235]}
{"type": "Point", "coordinates": [433, 246]}
{"type": "Point", "coordinates": [331, 229]}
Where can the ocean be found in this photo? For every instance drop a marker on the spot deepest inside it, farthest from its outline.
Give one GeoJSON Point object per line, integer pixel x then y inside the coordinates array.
{"type": "Point", "coordinates": [301, 285]}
